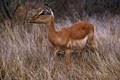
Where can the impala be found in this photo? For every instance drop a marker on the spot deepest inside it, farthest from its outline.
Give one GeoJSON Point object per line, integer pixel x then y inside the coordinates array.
{"type": "Point", "coordinates": [73, 37]}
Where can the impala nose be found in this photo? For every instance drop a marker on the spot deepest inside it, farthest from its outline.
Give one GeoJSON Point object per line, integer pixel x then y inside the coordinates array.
{"type": "Point", "coordinates": [29, 20]}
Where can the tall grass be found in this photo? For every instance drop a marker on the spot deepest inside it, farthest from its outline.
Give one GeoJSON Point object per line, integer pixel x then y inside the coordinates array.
{"type": "Point", "coordinates": [26, 53]}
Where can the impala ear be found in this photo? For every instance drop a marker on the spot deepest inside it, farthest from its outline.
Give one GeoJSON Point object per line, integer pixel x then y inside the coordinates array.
{"type": "Point", "coordinates": [51, 12]}
{"type": "Point", "coordinates": [48, 9]}
{"type": "Point", "coordinates": [45, 9]}
{"type": "Point", "coordinates": [47, 5]}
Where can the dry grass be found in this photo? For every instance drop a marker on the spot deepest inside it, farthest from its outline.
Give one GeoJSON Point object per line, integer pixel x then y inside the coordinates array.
{"type": "Point", "coordinates": [26, 54]}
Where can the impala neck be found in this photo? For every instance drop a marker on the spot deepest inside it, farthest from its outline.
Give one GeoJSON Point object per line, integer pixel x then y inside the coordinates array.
{"type": "Point", "coordinates": [51, 29]}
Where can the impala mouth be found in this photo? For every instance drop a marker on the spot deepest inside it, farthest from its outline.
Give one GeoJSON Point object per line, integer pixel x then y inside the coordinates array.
{"type": "Point", "coordinates": [33, 21]}
{"type": "Point", "coordinates": [29, 20]}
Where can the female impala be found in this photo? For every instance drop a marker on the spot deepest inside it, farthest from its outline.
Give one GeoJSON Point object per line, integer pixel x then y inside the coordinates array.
{"type": "Point", "coordinates": [73, 37]}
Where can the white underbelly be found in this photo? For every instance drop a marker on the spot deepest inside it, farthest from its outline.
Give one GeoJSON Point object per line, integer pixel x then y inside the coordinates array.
{"type": "Point", "coordinates": [77, 44]}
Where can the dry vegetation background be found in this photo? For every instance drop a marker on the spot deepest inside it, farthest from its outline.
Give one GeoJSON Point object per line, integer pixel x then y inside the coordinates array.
{"type": "Point", "coordinates": [26, 54]}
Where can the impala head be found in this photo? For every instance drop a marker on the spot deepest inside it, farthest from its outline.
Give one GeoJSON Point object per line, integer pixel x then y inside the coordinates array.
{"type": "Point", "coordinates": [44, 16]}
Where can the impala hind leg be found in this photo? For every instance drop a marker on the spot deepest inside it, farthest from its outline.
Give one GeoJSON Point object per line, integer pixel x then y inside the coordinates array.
{"type": "Point", "coordinates": [67, 56]}
{"type": "Point", "coordinates": [91, 40]}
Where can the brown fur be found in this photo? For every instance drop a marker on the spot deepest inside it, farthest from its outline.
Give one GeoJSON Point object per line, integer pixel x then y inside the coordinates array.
{"type": "Point", "coordinates": [67, 38]}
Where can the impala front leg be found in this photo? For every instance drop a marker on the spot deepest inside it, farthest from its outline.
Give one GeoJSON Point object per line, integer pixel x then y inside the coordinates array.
{"type": "Point", "coordinates": [67, 56]}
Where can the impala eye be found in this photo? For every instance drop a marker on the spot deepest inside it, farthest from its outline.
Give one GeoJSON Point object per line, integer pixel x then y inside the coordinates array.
{"type": "Point", "coordinates": [46, 12]}
{"type": "Point", "coordinates": [42, 13]}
